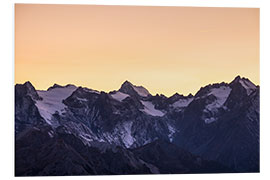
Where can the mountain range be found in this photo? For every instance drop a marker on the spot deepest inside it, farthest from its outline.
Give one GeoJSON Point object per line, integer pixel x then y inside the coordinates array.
{"type": "Point", "coordinates": [70, 130]}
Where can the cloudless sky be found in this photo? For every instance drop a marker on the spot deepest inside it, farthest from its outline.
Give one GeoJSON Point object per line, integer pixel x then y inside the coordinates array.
{"type": "Point", "coordinates": [165, 49]}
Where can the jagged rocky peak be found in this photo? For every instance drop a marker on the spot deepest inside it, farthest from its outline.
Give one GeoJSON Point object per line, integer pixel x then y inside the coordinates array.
{"type": "Point", "coordinates": [180, 101]}
{"type": "Point", "coordinates": [243, 83]}
{"type": "Point", "coordinates": [26, 89]}
{"type": "Point", "coordinates": [55, 86]}
{"type": "Point", "coordinates": [28, 85]}
{"type": "Point", "coordinates": [128, 88]}
{"type": "Point", "coordinates": [175, 97]}
{"type": "Point", "coordinates": [59, 86]}
{"type": "Point", "coordinates": [160, 95]}
{"type": "Point", "coordinates": [178, 96]}
{"type": "Point", "coordinates": [242, 80]}
{"type": "Point", "coordinates": [82, 92]}
{"type": "Point", "coordinates": [80, 97]}
{"type": "Point", "coordinates": [239, 83]}
{"type": "Point", "coordinates": [237, 79]}
{"type": "Point", "coordinates": [127, 83]}
{"type": "Point", "coordinates": [86, 90]}
{"type": "Point", "coordinates": [206, 90]}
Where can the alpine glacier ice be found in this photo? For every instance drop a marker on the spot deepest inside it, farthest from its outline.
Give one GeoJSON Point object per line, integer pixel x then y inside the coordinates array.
{"type": "Point", "coordinates": [52, 101]}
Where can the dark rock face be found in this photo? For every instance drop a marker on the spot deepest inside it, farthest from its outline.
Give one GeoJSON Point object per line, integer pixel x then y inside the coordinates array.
{"type": "Point", "coordinates": [233, 139]}
{"type": "Point", "coordinates": [128, 88]}
{"type": "Point", "coordinates": [26, 89]}
{"type": "Point", "coordinates": [129, 131]}
{"type": "Point", "coordinates": [47, 152]}
{"type": "Point", "coordinates": [26, 113]}
{"type": "Point", "coordinates": [171, 159]}
{"type": "Point", "coordinates": [37, 153]}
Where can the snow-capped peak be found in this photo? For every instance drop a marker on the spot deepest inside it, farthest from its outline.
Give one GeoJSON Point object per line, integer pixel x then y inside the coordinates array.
{"type": "Point", "coordinates": [130, 89]}
{"type": "Point", "coordinates": [245, 83]}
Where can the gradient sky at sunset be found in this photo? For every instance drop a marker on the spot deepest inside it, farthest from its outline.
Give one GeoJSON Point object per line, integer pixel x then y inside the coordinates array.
{"type": "Point", "coordinates": [165, 49]}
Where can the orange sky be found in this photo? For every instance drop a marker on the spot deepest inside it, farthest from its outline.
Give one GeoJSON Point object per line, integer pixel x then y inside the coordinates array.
{"type": "Point", "coordinates": [165, 49]}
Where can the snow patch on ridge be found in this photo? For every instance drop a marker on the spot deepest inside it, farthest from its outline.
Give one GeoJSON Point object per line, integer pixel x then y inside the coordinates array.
{"type": "Point", "coordinates": [182, 103]}
{"type": "Point", "coordinates": [221, 95]}
{"type": "Point", "coordinates": [119, 96]}
{"type": "Point", "coordinates": [171, 132]}
{"type": "Point", "coordinates": [52, 102]}
{"type": "Point", "coordinates": [141, 91]}
{"type": "Point", "coordinates": [249, 86]}
{"type": "Point", "coordinates": [149, 108]}
{"type": "Point", "coordinates": [127, 138]}
{"type": "Point", "coordinates": [209, 120]}
{"type": "Point", "coordinates": [91, 90]}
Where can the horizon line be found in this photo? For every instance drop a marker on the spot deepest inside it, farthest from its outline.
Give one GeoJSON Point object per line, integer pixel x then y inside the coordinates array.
{"type": "Point", "coordinates": [71, 84]}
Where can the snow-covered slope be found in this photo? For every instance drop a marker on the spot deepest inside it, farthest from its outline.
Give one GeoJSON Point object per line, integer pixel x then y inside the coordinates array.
{"type": "Point", "coordinates": [119, 96]}
{"type": "Point", "coordinates": [181, 103]}
{"type": "Point", "coordinates": [221, 94]}
{"type": "Point", "coordinates": [141, 91]}
{"type": "Point", "coordinates": [249, 86]}
{"type": "Point", "coordinates": [127, 137]}
{"type": "Point", "coordinates": [52, 102]}
{"type": "Point", "coordinates": [150, 109]}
